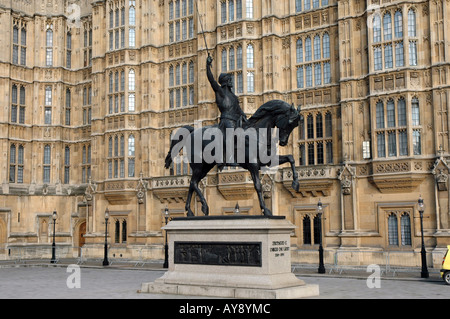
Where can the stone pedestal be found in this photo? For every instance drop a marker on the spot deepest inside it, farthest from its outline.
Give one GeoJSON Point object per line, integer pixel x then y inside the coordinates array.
{"type": "Point", "coordinates": [230, 257]}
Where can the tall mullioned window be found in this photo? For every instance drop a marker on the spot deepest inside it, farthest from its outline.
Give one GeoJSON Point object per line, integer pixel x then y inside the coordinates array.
{"type": "Point", "coordinates": [19, 54]}
{"type": "Point", "coordinates": [389, 41]}
{"type": "Point", "coordinates": [16, 163]}
{"type": "Point", "coordinates": [46, 164]}
{"type": "Point", "coordinates": [49, 46]}
{"type": "Point", "coordinates": [66, 165]}
{"type": "Point", "coordinates": [18, 100]}
{"type": "Point", "coordinates": [181, 84]}
{"type": "Point", "coordinates": [316, 138]}
{"type": "Point", "coordinates": [313, 60]}
{"type": "Point", "coordinates": [48, 102]}
{"type": "Point", "coordinates": [69, 50]}
{"type": "Point", "coordinates": [399, 228]}
{"type": "Point", "coordinates": [181, 20]}
{"type": "Point", "coordinates": [393, 119]}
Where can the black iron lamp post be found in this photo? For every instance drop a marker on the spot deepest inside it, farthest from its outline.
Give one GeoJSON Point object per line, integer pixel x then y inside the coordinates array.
{"type": "Point", "coordinates": [105, 259]}
{"type": "Point", "coordinates": [166, 246]}
{"type": "Point", "coordinates": [237, 209]}
{"type": "Point", "coordinates": [321, 269]}
{"type": "Point", "coordinates": [53, 260]}
{"type": "Point", "coordinates": [421, 207]}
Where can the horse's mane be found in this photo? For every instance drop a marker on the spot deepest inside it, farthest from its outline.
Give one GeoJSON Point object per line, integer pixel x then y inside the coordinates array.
{"type": "Point", "coordinates": [272, 108]}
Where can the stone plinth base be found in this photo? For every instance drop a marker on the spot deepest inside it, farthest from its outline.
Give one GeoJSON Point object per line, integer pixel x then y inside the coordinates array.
{"type": "Point", "coordinates": [230, 257]}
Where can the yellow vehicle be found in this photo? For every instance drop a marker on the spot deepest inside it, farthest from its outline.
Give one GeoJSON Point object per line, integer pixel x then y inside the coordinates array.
{"type": "Point", "coordinates": [445, 271]}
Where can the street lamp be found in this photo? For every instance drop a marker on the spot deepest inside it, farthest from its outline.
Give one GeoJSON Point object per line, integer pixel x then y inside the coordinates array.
{"type": "Point", "coordinates": [421, 207]}
{"type": "Point", "coordinates": [166, 247]}
{"type": "Point", "coordinates": [105, 259]}
{"type": "Point", "coordinates": [321, 269]}
{"type": "Point", "coordinates": [237, 210]}
{"type": "Point", "coordinates": [53, 260]}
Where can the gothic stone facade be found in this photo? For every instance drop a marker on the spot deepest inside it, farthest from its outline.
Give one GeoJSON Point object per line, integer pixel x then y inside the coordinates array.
{"type": "Point", "coordinates": [92, 90]}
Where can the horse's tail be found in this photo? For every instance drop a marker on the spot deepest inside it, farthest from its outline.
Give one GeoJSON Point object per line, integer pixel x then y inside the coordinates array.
{"type": "Point", "coordinates": [173, 142]}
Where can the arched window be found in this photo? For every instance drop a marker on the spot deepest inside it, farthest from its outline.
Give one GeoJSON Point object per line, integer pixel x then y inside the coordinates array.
{"type": "Point", "coordinates": [131, 80]}
{"type": "Point", "coordinates": [250, 82]}
{"type": "Point", "coordinates": [191, 72]}
{"type": "Point", "coordinates": [249, 8]}
{"type": "Point", "coordinates": [390, 113]}
{"type": "Point", "coordinates": [122, 146]}
{"type": "Point", "coordinates": [117, 232]}
{"type": "Point", "coordinates": [387, 27]}
{"type": "Point", "coordinates": [46, 166]}
{"type": "Point", "coordinates": [49, 46]}
{"type": "Point", "coordinates": [405, 228]}
{"type": "Point", "coordinates": [310, 126]}
{"type": "Point", "coordinates": [116, 146]}
{"type": "Point", "coordinates": [317, 52]}
{"type": "Point", "coordinates": [184, 73]}
{"type": "Point", "coordinates": [239, 57]}
{"type": "Point", "coordinates": [398, 24]}
{"type": "Point", "coordinates": [69, 50]}
{"type": "Point", "coordinates": [299, 51]}
{"type": "Point", "coordinates": [132, 14]}
{"type": "Point", "coordinates": [415, 112]}
{"type": "Point", "coordinates": [14, 104]}
{"type": "Point", "coordinates": [66, 165]}
{"type": "Point", "coordinates": [392, 229]}
{"type": "Point", "coordinates": [131, 154]}
{"type": "Point", "coordinates": [380, 114]}
{"type": "Point", "coordinates": [231, 59]}
{"type": "Point", "coordinates": [110, 147]}
{"type": "Point", "coordinates": [317, 230]}
{"type": "Point", "coordinates": [328, 125]}
{"type": "Point", "coordinates": [122, 81]}
{"type": "Point", "coordinates": [411, 23]}
{"type": "Point", "coordinates": [171, 78]}
{"type": "Point", "coordinates": [326, 46]}
{"type": "Point", "coordinates": [401, 112]}
{"type": "Point", "coordinates": [388, 57]}
{"type": "Point", "coordinates": [300, 80]}
{"type": "Point", "coordinates": [319, 126]}
{"type": "Point", "coordinates": [306, 230]}
{"type": "Point", "coordinates": [131, 147]}
{"type": "Point", "coordinates": [177, 75]}
{"type": "Point", "coordinates": [308, 53]}
{"type": "Point", "coordinates": [12, 163]}
{"type": "Point", "coordinates": [307, 4]}
{"type": "Point", "coordinates": [376, 28]}
{"type": "Point", "coordinates": [224, 60]}
{"type": "Point", "coordinates": [231, 10]}
{"type": "Point", "coordinates": [124, 231]}
{"type": "Point", "coordinates": [250, 57]}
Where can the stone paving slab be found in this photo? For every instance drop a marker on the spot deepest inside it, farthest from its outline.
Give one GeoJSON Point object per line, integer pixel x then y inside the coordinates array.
{"type": "Point", "coordinates": [49, 281]}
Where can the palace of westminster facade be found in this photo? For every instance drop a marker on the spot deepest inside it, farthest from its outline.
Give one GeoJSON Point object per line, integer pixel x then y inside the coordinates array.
{"type": "Point", "coordinates": [93, 89]}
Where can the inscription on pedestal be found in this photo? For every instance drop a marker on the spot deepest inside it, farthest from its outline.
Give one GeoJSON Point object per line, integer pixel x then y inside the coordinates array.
{"type": "Point", "coordinates": [279, 248]}
{"type": "Point", "coordinates": [218, 253]}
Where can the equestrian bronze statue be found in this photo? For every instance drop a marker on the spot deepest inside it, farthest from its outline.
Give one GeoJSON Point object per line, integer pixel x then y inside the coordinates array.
{"type": "Point", "coordinates": [235, 140]}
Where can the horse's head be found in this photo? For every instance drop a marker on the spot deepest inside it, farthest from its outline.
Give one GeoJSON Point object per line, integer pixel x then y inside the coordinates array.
{"type": "Point", "coordinates": [286, 123]}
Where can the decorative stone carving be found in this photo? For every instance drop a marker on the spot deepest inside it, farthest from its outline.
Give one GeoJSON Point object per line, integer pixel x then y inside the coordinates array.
{"type": "Point", "coordinates": [141, 188]}
{"type": "Point", "coordinates": [346, 175]}
{"type": "Point", "coordinates": [441, 171]}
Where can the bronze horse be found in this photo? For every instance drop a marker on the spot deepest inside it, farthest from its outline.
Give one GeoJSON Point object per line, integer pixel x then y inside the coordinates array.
{"type": "Point", "coordinates": [273, 114]}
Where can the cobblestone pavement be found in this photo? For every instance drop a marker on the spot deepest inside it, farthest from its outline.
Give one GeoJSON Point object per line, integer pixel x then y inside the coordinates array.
{"type": "Point", "coordinates": [48, 281]}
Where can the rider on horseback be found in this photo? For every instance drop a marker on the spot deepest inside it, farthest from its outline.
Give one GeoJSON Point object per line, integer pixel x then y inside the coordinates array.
{"type": "Point", "coordinates": [232, 115]}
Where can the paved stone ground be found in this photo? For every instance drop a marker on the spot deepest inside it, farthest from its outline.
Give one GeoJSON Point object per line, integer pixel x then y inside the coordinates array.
{"type": "Point", "coordinates": [48, 281]}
